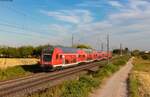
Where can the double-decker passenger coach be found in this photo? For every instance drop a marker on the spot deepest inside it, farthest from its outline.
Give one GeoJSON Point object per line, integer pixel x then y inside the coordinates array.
{"type": "Point", "coordinates": [58, 57]}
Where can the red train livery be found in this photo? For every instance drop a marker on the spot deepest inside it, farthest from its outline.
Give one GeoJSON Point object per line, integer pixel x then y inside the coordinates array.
{"type": "Point", "coordinates": [53, 57]}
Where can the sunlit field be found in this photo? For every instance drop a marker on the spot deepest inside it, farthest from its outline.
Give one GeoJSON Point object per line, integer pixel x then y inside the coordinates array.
{"type": "Point", "coordinates": [140, 78]}
{"type": "Point", "coordinates": [10, 62]}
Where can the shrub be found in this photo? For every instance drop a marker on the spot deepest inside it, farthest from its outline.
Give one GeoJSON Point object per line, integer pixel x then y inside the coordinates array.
{"type": "Point", "coordinates": [145, 57]}
{"type": "Point", "coordinates": [119, 62]}
{"type": "Point", "coordinates": [89, 80]}
{"type": "Point", "coordinates": [79, 88]}
{"type": "Point", "coordinates": [72, 88]}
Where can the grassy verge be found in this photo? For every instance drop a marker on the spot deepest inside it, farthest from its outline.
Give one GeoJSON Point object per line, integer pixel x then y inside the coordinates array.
{"type": "Point", "coordinates": [133, 86]}
{"type": "Point", "coordinates": [18, 71]}
{"type": "Point", "coordinates": [139, 80]}
{"type": "Point", "coordinates": [86, 83]}
{"type": "Point", "coordinates": [12, 72]}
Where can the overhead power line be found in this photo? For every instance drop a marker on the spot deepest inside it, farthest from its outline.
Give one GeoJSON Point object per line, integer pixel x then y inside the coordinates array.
{"type": "Point", "coordinates": [6, 31]}
{"type": "Point", "coordinates": [21, 27]}
{"type": "Point", "coordinates": [24, 34]}
{"type": "Point", "coordinates": [20, 12]}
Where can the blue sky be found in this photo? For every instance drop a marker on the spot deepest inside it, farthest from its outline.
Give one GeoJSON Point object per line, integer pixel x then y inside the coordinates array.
{"type": "Point", "coordinates": [37, 22]}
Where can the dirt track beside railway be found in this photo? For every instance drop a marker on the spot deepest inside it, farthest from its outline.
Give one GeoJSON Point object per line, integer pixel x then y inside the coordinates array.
{"type": "Point", "coordinates": [116, 85]}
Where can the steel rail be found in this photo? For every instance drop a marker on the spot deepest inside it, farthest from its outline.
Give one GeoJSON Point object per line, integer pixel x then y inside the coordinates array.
{"type": "Point", "coordinates": [19, 79]}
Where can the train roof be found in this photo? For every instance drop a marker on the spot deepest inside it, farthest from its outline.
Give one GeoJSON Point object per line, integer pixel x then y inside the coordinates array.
{"type": "Point", "coordinates": [74, 50]}
{"type": "Point", "coordinates": [66, 49]}
{"type": "Point", "coordinates": [69, 49]}
{"type": "Point", "coordinates": [87, 50]}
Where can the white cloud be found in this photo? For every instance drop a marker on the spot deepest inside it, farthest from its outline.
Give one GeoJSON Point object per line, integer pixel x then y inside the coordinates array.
{"type": "Point", "coordinates": [129, 25]}
{"type": "Point", "coordinates": [115, 4]}
{"type": "Point", "coordinates": [70, 16]}
{"type": "Point", "coordinates": [92, 3]}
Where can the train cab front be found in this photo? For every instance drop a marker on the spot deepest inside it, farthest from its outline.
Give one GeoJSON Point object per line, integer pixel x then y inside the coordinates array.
{"type": "Point", "coordinates": [46, 59]}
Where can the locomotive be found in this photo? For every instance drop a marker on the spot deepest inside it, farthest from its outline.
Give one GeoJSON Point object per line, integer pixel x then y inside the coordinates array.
{"type": "Point", "coordinates": [60, 57]}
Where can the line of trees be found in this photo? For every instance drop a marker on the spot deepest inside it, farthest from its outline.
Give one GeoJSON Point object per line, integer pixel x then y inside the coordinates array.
{"type": "Point", "coordinates": [82, 46]}
{"type": "Point", "coordinates": [124, 51]}
{"type": "Point", "coordinates": [21, 52]}
{"type": "Point", "coordinates": [142, 54]}
{"type": "Point", "coordinates": [27, 51]}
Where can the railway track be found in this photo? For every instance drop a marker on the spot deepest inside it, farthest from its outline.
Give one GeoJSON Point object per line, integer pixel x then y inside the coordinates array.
{"type": "Point", "coordinates": [19, 79]}
{"type": "Point", "coordinates": [27, 85]}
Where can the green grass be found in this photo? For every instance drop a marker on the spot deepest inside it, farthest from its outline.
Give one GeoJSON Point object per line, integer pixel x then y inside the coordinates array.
{"type": "Point", "coordinates": [79, 88]}
{"type": "Point", "coordinates": [86, 83]}
{"type": "Point", "coordinates": [133, 86]}
{"type": "Point", "coordinates": [12, 72]}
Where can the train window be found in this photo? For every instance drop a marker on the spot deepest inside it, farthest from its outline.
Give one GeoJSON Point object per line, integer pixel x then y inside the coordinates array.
{"type": "Point", "coordinates": [66, 61]}
{"type": "Point", "coordinates": [47, 58]}
{"type": "Point", "coordinates": [60, 56]}
{"type": "Point", "coordinates": [79, 56]}
{"type": "Point", "coordinates": [57, 56]}
{"type": "Point", "coordinates": [74, 60]}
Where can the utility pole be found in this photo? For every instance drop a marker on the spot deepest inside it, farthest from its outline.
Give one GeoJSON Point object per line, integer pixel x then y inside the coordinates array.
{"type": "Point", "coordinates": [108, 48]}
{"type": "Point", "coordinates": [120, 49]}
{"type": "Point", "coordinates": [102, 46]}
{"type": "Point", "coordinates": [98, 44]}
{"type": "Point", "coordinates": [72, 40]}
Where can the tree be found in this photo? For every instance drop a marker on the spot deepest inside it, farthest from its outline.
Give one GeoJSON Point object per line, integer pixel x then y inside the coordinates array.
{"type": "Point", "coordinates": [12, 52]}
{"type": "Point", "coordinates": [136, 53]}
{"type": "Point", "coordinates": [26, 51]}
{"type": "Point", "coordinates": [37, 51]}
{"type": "Point", "coordinates": [21, 52]}
{"type": "Point", "coordinates": [116, 51]}
{"type": "Point", "coordinates": [126, 50]}
{"type": "Point", "coordinates": [83, 46]}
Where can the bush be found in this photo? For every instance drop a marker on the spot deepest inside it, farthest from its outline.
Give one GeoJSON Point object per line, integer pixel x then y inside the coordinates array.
{"type": "Point", "coordinates": [119, 62]}
{"type": "Point", "coordinates": [89, 80]}
{"type": "Point", "coordinates": [79, 88]}
{"type": "Point", "coordinates": [72, 88]}
{"type": "Point", "coordinates": [106, 71]}
{"type": "Point", "coordinates": [145, 57]}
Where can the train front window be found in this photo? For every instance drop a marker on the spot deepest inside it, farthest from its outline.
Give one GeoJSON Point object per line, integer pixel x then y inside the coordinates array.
{"type": "Point", "coordinates": [47, 58]}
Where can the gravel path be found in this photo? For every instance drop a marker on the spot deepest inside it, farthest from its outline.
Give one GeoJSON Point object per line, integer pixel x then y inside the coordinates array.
{"type": "Point", "coordinates": [116, 85]}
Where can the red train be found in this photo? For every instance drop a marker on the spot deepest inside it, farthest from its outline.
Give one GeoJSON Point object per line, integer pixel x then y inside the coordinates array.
{"type": "Point", "coordinates": [58, 57]}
